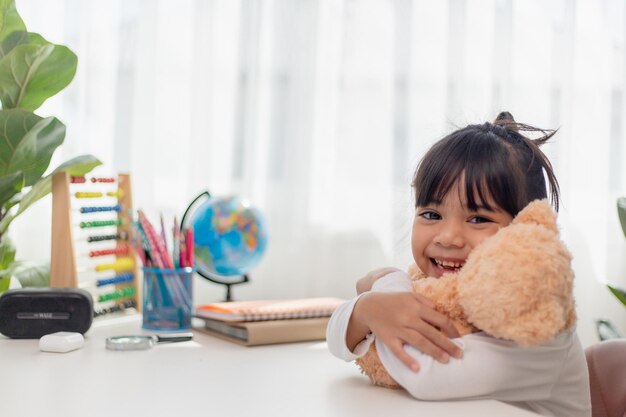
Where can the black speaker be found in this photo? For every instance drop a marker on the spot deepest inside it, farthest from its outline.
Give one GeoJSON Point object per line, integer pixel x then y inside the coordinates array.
{"type": "Point", "coordinates": [29, 313]}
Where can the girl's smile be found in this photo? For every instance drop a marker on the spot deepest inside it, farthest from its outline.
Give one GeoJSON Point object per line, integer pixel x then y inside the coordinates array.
{"type": "Point", "coordinates": [444, 234]}
{"type": "Point", "coordinates": [447, 265]}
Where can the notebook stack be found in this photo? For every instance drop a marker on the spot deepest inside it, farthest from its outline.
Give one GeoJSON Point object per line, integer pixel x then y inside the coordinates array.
{"type": "Point", "coordinates": [264, 322]}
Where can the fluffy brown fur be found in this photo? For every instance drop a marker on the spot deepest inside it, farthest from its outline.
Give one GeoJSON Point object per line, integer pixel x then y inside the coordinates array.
{"type": "Point", "coordinates": [516, 285]}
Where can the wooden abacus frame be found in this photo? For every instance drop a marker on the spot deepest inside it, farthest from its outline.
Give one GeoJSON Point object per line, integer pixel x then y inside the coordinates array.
{"type": "Point", "coordinates": [63, 271]}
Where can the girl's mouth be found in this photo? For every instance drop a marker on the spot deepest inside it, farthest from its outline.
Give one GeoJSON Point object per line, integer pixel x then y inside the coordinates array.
{"type": "Point", "coordinates": [447, 266]}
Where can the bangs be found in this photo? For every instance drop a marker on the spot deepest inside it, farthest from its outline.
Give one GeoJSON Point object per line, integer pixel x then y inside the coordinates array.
{"type": "Point", "coordinates": [481, 161]}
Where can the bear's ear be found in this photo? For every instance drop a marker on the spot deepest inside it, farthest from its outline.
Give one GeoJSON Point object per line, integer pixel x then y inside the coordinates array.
{"type": "Point", "coordinates": [538, 212]}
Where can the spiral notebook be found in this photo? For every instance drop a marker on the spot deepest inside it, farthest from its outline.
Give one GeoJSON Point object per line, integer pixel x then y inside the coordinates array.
{"type": "Point", "coordinates": [269, 309]}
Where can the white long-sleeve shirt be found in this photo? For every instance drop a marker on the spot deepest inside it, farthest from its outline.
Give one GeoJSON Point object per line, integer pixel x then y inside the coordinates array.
{"type": "Point", "coordinates": [550, 379]}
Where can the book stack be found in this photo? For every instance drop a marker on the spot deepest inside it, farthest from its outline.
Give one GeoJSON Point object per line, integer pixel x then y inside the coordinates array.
{"type": "Point", "coordinates": [264, 322]}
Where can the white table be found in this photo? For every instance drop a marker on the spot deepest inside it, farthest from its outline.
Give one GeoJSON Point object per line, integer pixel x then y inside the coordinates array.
{"type": "Point", "coordinates": [203, 377]}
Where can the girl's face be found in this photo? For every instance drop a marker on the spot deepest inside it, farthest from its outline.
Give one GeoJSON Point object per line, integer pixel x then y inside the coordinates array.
{"type": "Point", "coordinates": [445, 234]}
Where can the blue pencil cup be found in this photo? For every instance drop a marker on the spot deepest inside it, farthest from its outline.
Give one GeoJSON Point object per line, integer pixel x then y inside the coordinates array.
{"type": "Point", "coordinates": [167, 299]}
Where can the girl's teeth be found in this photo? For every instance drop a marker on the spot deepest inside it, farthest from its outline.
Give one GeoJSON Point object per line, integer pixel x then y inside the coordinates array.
{"type": "Point", "coordinates": [449, 264]}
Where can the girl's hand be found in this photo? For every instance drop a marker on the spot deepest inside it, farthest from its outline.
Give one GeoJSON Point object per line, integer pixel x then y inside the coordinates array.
{"type": "Point", "coordinates": [405, 318]}
{"type": "Point", "coordinates": [365, 284]}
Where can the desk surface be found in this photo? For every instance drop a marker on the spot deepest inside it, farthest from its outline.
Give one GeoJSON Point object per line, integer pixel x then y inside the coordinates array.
{"type": "Point", "coordinates": [206, 376]}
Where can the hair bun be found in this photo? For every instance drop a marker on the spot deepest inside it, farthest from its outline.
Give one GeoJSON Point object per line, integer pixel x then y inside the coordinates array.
{"type": "Point", "coordinates": [504, 118]}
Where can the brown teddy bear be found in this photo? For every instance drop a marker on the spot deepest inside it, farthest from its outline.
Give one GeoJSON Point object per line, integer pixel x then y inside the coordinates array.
{"type": "Point", "coordinates": [516, 285]}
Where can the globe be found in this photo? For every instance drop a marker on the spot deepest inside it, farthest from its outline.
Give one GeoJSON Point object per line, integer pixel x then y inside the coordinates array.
{"type": "Point", "coordinates": [230, 236]}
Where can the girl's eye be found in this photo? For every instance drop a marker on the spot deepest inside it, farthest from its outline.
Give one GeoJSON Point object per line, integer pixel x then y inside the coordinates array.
{"type": "Point", "coordinates": [430, 215]}
{"type": "Point", "coordinates": [479, 219]}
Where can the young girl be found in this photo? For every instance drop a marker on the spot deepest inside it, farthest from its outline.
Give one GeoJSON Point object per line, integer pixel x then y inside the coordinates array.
{"type": "Point", "coordinates": [469, 184]}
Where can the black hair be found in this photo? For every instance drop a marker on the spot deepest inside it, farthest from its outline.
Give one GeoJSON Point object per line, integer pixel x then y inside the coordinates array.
{"type": "Point", "coordinates": [494, 159]}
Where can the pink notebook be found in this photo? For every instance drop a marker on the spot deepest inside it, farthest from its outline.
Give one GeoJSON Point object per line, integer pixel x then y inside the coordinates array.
{"type": "Point", "coordinates": [269, 309]}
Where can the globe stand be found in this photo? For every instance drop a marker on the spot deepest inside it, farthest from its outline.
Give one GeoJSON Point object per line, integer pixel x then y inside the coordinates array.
{"type": "Point", "coordinates": [228, 282]}
{"type": "Point", "coordinates": [217, 279]}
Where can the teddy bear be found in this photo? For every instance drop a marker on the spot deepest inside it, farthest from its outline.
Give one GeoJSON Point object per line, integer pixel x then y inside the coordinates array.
{"type": "Point", "coordinates": [516, 285]}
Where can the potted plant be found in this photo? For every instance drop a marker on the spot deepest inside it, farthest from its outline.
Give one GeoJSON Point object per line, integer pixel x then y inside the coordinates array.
{"type": "Point", "coordinates": [31, 71]}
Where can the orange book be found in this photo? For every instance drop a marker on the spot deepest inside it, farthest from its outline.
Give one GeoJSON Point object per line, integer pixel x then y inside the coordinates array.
{"type": "Point", "coordinates": [258, 310]}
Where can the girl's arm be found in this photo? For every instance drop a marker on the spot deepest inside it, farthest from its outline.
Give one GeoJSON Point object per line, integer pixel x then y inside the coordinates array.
{"type": "Point", "coordinates": [365, 284]}
{"type": "Point", "coordinates": [397, 316]}
{"type": "Point", "coordinates": [493, 368]}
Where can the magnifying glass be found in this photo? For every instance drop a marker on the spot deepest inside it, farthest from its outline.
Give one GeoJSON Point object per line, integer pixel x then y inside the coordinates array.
{"type": "Point", "coordinates": [144, 342]}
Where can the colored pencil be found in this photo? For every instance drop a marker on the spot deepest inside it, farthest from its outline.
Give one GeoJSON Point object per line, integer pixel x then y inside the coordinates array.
{"type": "Point", "coordinates": [190, 247]}
{"type": "Point", "coordinates": [176, 244]}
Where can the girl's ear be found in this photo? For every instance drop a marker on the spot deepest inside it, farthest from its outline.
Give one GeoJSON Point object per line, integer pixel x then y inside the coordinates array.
{"type": "Point", "coordinates": [538, 212]}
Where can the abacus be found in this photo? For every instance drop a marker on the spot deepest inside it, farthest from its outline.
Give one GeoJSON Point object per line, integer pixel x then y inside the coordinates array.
{"type": "Point", "coordinates": [96, 253]}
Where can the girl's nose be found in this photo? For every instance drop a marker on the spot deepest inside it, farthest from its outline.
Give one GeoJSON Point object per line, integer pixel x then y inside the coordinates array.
{"type": "Point", "coordinates": [450, 235]}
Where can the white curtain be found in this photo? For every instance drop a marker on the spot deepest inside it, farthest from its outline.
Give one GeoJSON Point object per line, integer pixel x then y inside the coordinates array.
{"type": "Point", "coordinates": [318, 111]}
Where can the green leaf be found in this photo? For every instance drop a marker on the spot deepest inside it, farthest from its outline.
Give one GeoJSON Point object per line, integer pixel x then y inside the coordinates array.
{"type": "Point", "coordinates": [10, 19]}
{"type": "Point", "coordinates": [27, 143]}
{"type": "Point", "coordinates": [617, 292]}
{"type": "Point", "coordinates": [18, 38]}
{"type": "Point", "coordinates": [4, 283]}
{"type": "Point", "coordinates": [50, 134]}
{"type": "Point", "coordinates": [7, 262]}
{"type": "Point", "coordinates": [10, 185]}
{"type": "Point", "coordinates": [7, 252]}
{"type": "Point", "coordinates": [31, 274]}
{"type": "Point", "coordinates": [32, 73]}
{"type": "Point", "coordinates": [621, 211]}
{"type": "Point", "coordinates": [78, 166]}
{"type": "Point", "coordinates": [14, 126]}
